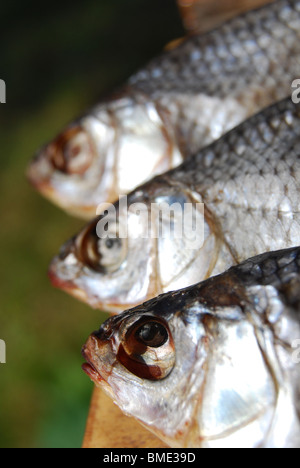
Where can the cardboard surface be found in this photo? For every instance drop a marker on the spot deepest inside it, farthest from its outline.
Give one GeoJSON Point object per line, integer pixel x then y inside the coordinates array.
{"type": "Point", "coordinates": [108, 427]}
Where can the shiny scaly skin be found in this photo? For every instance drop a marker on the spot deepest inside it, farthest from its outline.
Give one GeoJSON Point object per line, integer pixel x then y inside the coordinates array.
{"type": "Point", "coordinates": [180, 102]}
{"type": "Point", "coordinates": [212, 82]}
{"type": "Point", "coordinates": [236, 381]}
{"type": "Point", "coordinates": [249, 182]}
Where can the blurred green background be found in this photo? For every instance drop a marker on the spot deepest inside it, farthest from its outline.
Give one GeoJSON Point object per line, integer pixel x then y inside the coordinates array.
{"type": "Point", "coordinates": [56, 58]}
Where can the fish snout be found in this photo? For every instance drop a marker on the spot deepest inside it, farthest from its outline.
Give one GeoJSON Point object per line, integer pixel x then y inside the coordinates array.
{"type": "Point", "coordinates": [61, 269]}
{"type": "Point", "coordinates": [97, 366]}
{"type": "Point", "coordinates": [90, 348]}
{"type": "Point", "coordinates": [39, 171]}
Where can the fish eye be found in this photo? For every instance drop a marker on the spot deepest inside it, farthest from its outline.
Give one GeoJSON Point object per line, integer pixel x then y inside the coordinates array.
{"type": "Point", "coordinates": [147, 349]}
{"type": "Point", "coordinates": [103, 255]}
{"type": "Point", "coordinates": [73, 151]}
{"type": "Point", "coordinates": [152, 334]}
{"type": "Point", "coordinates": [112, 252]}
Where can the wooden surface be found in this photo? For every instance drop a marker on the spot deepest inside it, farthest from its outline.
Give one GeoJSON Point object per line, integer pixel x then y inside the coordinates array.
{"type": "Point", "coordinates": [107, 427]}
{"type": "Point", "coordinates": [203, 15]}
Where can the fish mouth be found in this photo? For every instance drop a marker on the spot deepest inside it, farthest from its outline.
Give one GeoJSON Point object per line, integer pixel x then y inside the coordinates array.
{"type": "Point", "coordinates": [90, 370]}
{"type": "Point", "coordinates": [89, 352]}
{"type": "Point", "coordinates": [41, 184]}
{"type": "Point", "coordinates": [46, 189]}
{"type": "Point", "coordinates": [92, 373]}
{"type": "Point", "coordinates": [64, 284]}
{"type": "Point", "coordinates": [72, 290]}
{"type": "Point", "coordinates": [89, 367]}
{"type": "Point", "coordinates": [69, 286]}
{"type": "Point", "coordinates": [39, 172]}
{"type": "Point", "coordinates": [59, 278]}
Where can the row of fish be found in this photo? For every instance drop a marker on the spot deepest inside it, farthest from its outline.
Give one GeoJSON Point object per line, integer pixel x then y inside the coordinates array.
{"type": "Point", "coordinates": [220, 352]}
{"type": "Point", "coordinates": [209, 123]}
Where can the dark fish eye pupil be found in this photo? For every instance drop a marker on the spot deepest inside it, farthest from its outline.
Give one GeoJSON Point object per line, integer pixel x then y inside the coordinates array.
{"type": "Point", "coordinates": [109, 243]}
{"type": "Point", "coordinates": [152, 334]}
{"type": "Point", "coordinates": [74, 151]}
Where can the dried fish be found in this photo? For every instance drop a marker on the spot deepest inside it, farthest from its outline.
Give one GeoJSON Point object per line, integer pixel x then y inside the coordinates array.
{"type": "Point", "coordinates": [213, 365]}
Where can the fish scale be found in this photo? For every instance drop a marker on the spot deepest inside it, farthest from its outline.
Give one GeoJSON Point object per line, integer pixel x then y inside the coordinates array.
{"type": "Point", "coordinates": [197, 68]}
{"type": "Point", "coordinates": [274, 130]}
{"type": "Point", "coordinates": [190, 67]}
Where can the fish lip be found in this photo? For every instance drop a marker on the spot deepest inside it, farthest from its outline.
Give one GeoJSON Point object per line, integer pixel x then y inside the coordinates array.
{"type": "Point", "coordinates": [57, 281]}
{"type": "Point", "coordinates": [92, 373]}
{"type": "Point", "coordinates": [33, 173]}
{"type": "Point", "coordinates": [69, 287]}
{"type": "Point", "coordinates": [40, 184]}
{"type": "Point", "coordinates": [89, 367]}
{"type": "Point", "coordinates": [65, 285]}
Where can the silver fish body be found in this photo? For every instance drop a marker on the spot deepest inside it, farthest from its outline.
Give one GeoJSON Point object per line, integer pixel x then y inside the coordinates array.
{"type": "Point", "coordinates": [180, 102]}
{"type": "Point", "coordinates": [215, 365]}
{"type": "Point", "coordinates": [249, 185]}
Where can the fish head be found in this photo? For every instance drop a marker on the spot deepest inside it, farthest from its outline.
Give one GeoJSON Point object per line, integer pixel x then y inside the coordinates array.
{"type": "Point", "coordinates": [108, 152]}
{"type": "Point", "coordinates": [108, 264]}
{"type": "Point", "coordinates": [138, 248]}
{"type": "Point", "coordinates": [132, 358]}
{"type": "Point", "coordinates": [197, 367]}
{"type": "Point", "coordinates": [68, 170]}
